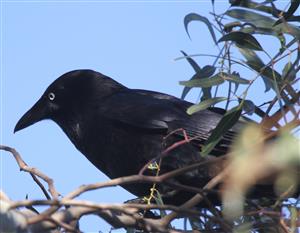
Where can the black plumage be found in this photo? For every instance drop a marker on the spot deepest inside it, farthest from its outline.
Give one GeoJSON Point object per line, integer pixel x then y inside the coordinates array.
{"type": "Point", "coordinates": [120, 129]}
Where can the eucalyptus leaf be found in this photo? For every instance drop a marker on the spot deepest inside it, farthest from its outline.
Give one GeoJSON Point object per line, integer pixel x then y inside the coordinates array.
{"type": "Point", "coordinates": [159, 201]}
{"type": "Point", "coordinates": [196, 68]}
{"type": "Point", "coordinates": [236, 85]}
{"type": "Point", "coordinates": [234, 77]}
{"type": "Point", "coordinates": [267, 73]}
{"type": "Point", "coordinates": [187, 89]}
{"type": "Point", "coordinates": [289, 72]}
{"type": "Point", "coordinates": [242, 39]}
{"type": "Point", "coordinates": [294, 19]}
{"type": "Point", "coordinates": [289, 14]}
{"type": "Point", "coordinates": [262, 21]}
{"type": "Point", "coordinates": [249, 107]}
{"type": "Point", "coordinates": [235, 2]}
{"type": "Point", "coordinates": [292, 9]}
{"type": "Point", "coordinates": [259, 6]}
{"type": "Point", "coordinates": [251, 17]}
{"type": "Point", "coordinates": [266, 31]}
{"type": "Point", "coordinates": [226, 123]}
{"type": "Point", "coordinates": [195, 17]}
{"type": "Point", "coordinates": [214, 80]}
{"type": "Point", "coordinates": [229, 26]}
{"type": "Point", "coordinates": [192, 62]}
{"type": "Point", "coordinates": [208, 71]}
{"type": "Point", "coordinates": [204, 104]}
{"type": "Point", "coordinates": [204, 82]}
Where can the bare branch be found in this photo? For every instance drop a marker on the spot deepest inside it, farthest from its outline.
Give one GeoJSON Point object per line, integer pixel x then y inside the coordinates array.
{"type": "Point", "coordinates": [33, 172]}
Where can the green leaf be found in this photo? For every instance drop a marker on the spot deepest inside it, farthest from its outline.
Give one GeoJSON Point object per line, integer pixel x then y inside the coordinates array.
{"type": "Point", "coordinates": [282, 40]}
{"type": "Point", "coordinates": [204, 104]}
{"type": "Point", "coordinates": [236, 85]}
{"type": "Point", "coordinates": [226, 123]}
{"type": "Point", "coordinates": [261, 6]}
{"type": "Point", "coordinates": [214, 80]}
{"type": "Point", "coordinates": [289, 14]}
{"type": "Point", "coordinates": [267, 73]}
{"type": "Point", "coordinates": [249, 107]}
{"type": "Point", "coordinates": [192, 62]}
{"type": "Point", "coordinates": [293, 7]}
{"type": "Point", "coordinates": [234, 77]}
{"type": "Point", "coordinates": [186, 89]}
{"type": "Point", "coordinates": [294, 19]}
{"type": "Point", "coordinates": [229, 26]}
{"type": "Point", "coordinates": [208, 71]}
{"type": "Point", "coordinates": [251, 17]}
{"type": "Point", "coordinates": [195, 17]}
{"type": "Point", "coordinates": [197, 69]}
{"type": "Point", "coordinates": [289, 72]}
{"type": "Point", "coordinates": [159, 201]}
{"type": "Point", "coordinates": [235, 2]}
{"type": "Point", "coordinates": [265, 31]}
{"type": "Point", "coordinates": [204, 82]}
{"type": "Point", "coordinates": [242, 39]}
{"type": "Point", "coordinates": [264, 22]}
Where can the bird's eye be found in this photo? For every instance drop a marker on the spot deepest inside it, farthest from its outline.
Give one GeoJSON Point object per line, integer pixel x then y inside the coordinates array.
{"type": "Point", "coordinates": [51, 96]}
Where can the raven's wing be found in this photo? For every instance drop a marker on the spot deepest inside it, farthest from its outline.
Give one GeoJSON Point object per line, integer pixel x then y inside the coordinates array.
{"type": "Point", "coordinates": [200, 124]}
{"type": "Point", "coordinates": [155, 111]}
{"type": "Point", "coordinates": [143, 109]}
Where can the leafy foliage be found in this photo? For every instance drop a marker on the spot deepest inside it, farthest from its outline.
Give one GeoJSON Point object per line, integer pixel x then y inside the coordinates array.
{"type": "Point", "coordinates": [244, 53]}
{"type": "Point", "coordinates": [238, 38]}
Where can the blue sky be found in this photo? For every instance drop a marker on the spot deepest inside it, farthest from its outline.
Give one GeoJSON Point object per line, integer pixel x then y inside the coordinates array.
{"type": "Point", "coordinates": [134, 42]}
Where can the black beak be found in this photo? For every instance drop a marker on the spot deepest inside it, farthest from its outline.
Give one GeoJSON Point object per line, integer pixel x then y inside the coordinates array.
{"type": "Point", "coordinates": [38, 112]}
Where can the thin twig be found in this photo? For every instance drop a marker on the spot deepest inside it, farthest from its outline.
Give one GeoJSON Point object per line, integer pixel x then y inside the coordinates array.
{"type": "Point", "coordinates": [34, 172]}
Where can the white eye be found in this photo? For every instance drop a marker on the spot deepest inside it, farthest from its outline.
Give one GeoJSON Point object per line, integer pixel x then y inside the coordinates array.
{"type": "Point", "coordinates": [51, 96]}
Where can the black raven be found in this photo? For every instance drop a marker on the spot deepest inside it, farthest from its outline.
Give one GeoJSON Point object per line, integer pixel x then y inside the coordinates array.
{"type": "Point", "coordinates": [120, 129]}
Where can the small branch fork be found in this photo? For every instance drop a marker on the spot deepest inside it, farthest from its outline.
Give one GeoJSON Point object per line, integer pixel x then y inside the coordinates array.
{"type": "Point", "coordinates": [34, 172]}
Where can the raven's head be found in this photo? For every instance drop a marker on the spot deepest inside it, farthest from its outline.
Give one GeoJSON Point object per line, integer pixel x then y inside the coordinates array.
{"type": "Point", "coordinates": [70, 92]}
